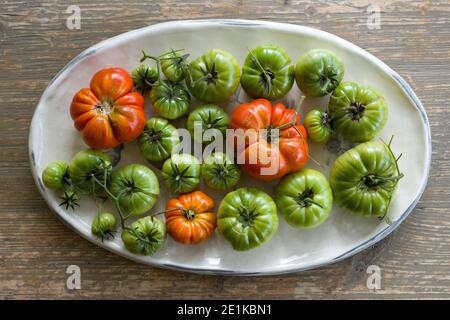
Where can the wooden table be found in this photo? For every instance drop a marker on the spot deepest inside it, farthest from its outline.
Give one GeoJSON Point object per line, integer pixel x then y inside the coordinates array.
{"type": "Point", "coordinates": [36, 249]}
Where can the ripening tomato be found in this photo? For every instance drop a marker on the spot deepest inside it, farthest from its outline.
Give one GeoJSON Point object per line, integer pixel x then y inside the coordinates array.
{"type": "Point", "coordinates": [278, 145]}
{"type": "Point", "coordinates": [247, 218]}
{"type": "Point", "coordinates": [189, 219]}
{"type": "Point", "coordinates": [108, 113]}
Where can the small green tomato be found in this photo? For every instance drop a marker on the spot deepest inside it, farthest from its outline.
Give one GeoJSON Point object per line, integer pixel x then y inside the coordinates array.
{"type": "Point", "coordinates": [103, 225]}
{"type": "Point", "coordinates": [54, 174]}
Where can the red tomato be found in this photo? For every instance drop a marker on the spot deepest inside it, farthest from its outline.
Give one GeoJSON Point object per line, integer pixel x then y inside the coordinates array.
{"type": "Point", "coordinates": [108, 112]}
{"type": "Point", "coordinates": [189, 218]}
{"type": "Point", "coordinates": [289, 151]}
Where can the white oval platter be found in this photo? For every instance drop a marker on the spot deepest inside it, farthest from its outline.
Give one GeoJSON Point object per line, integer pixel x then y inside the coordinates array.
{"type": "Point", "coordinates": [52, 136]}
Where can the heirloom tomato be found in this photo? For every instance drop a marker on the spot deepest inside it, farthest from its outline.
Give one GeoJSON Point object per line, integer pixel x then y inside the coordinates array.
{"type": "Point", "coordinates": [219, 172]}
{"type": "Point", "coordinates": [108, 113]}
{"type": "Point", "coordinates": [209, 116]}
{"type": "Point", "coordinates": [364, 178]}
{"type": "Point", "coordinates": [189, 218]}
{"type": "Point", "coordinates": [54, 174]}
{"type": "Point", "coordinates": [247, 217]}
{"type": "Point", "coordinates": [318, 127]}
{"type": "Point", "coordinates": [88, 168]}
{"type": "Point", "coordinates": [358, 113]}
{"type": "Point", "coordinates": [136, 187]}
{"type": "Point", "coordinates": [214, 76]}
{"type": "Point", "coordinates": [275, 144]}
{"type": "Point", "coordinates": [304, 198]}
{"type": "Point", "coordinates": [171, 100]}
{"type": "Point", "coordinates": [145, 236]}
{"type": "Point", "coordinates": [158, 140]}
{"type": "Point", "coordinates": [181, 173]}
{"type": "Point", "coordinates": [267, 73]}
{"type": "Point", "coordinates": [318, 72]}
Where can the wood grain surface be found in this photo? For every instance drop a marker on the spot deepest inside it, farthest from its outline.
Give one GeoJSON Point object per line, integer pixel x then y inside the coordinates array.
{"type": "Point", "coordinates": [36, 249]}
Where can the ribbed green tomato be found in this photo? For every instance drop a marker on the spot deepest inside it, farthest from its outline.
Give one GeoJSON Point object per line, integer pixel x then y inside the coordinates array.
{"type": "Point", "coordinates": [304, 198]}
{"type": "Point", "coordinates": [214, 76]}
{"type": "Point", "coordinates": [145, 236]}
{"type": "Point", "coordinates": [170, 100]}
{"type": "Point", "coordinates": [364, 178]}
{"type": "Point", "coordinates": [53, 175]}
{"type": "Point", "coordinates": [158, 140]}
{"type": "Point", "coordinates": [358, 113]}
{"type": "Point", "coordinates": [181, 173]}
{"type": "Point", "coordinates": [103, 225]}
{"type": "Point", "coordinates": [267, 73]}
{"type": "Point", "coordinates": [173, 65]}
{"type": "Point", "coordinates": [208, 116]}
{"type": "Point", "coordinates": [137, 188]}
{"type": "Point", "coordinates": [144, 76]}
{"type": "Point", "coordinates": [318, 72]}
{"type": "Point", "coordinates": [247, 218]}
{"type": "Point", "coordinates": [317, 125]}
{"type": "Point", "coordinates": [88, 164]}
{"type": "Point", "coordinates": [219, 172]}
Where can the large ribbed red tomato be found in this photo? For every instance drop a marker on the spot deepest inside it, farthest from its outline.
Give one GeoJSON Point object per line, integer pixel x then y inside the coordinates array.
{"type": "Point", "coordinates": [108, 112]}
{"type": "Point", "coordinates": [282, 153]}
{"type": "Point", "coordinates": [189, 218]}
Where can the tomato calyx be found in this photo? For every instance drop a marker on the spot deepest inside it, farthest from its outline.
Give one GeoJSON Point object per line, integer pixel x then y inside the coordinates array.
{"type": "Point", "coordinates": [189, 214]}
{"type": "Point", "coordinates": [325, 79]}
{"type": "Point", "coordinates": [106, 106]}
{"type": "Point", "coordinates": [152, 135]}
{"type": "Point", "coordinates": [210, 75]}
{"type": "Point", "coordinates": [306, 199]}
{"type": "Point", "coordinates": [356, 110]}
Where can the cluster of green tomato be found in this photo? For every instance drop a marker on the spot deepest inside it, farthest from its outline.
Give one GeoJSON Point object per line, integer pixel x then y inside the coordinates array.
{"type": "Point", "coordinates": [362, 179]}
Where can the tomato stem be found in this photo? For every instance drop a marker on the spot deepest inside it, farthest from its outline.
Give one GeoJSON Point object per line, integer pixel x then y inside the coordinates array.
{"type": "Point", "coordinates": [156, 59]}
{"type": "Point", "coordinates": [399, 175]}
{"type": "Point", "coordinates": [113, 198]}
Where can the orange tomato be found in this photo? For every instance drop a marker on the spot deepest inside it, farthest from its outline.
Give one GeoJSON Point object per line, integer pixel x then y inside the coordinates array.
{"type": "Point", "coordinates": [189, 219]}
{"type": "Point", "coordinates": [265, 157]}
{"type": "Point", "coordinates": [108, 112]}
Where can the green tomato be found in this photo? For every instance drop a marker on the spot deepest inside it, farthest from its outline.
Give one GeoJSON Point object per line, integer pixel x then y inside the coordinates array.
{"type": "Point", "coordinates": [54, 174]}
{"type": "Point", "coordinates": [219, 172]}
{"type": "Point", "coordinates": [171, 100]}
{"type": "Point", "coordinates": [247, 217]}
{"type": "Point", "coordinates": [304, 198]}
{"type": "Point", "coordinates": [317, 125]}
{"type": "Point", "coordinates": [87, 167]}
{"type": "Point", "coordinates": [103, 225]}
{"type": "Point", "coordinates": [137, 188]}
{"type": "Point", "coordinates": [181, 173]}
{"type": "Point", "coordinates": [144, 76]}
{"type": "Point", "coordinates": [209, 116]}
{"type": "Point", "coordinates": [214, 76]}
{"type": "Point", "coordinates": [267, 73]}
{"type": "Point", "coordinates": [158, 140]}
{"type": "Point", "coordinates": [173, 65]}
{"type": "Point", "coordinates": [364, 178]}
{"type": "Point", "coordinates": [318, 72]}
{"type": "Point", "coordinates": [145, 236]}
{"type": "Point", "coordinates": [358, 113]}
